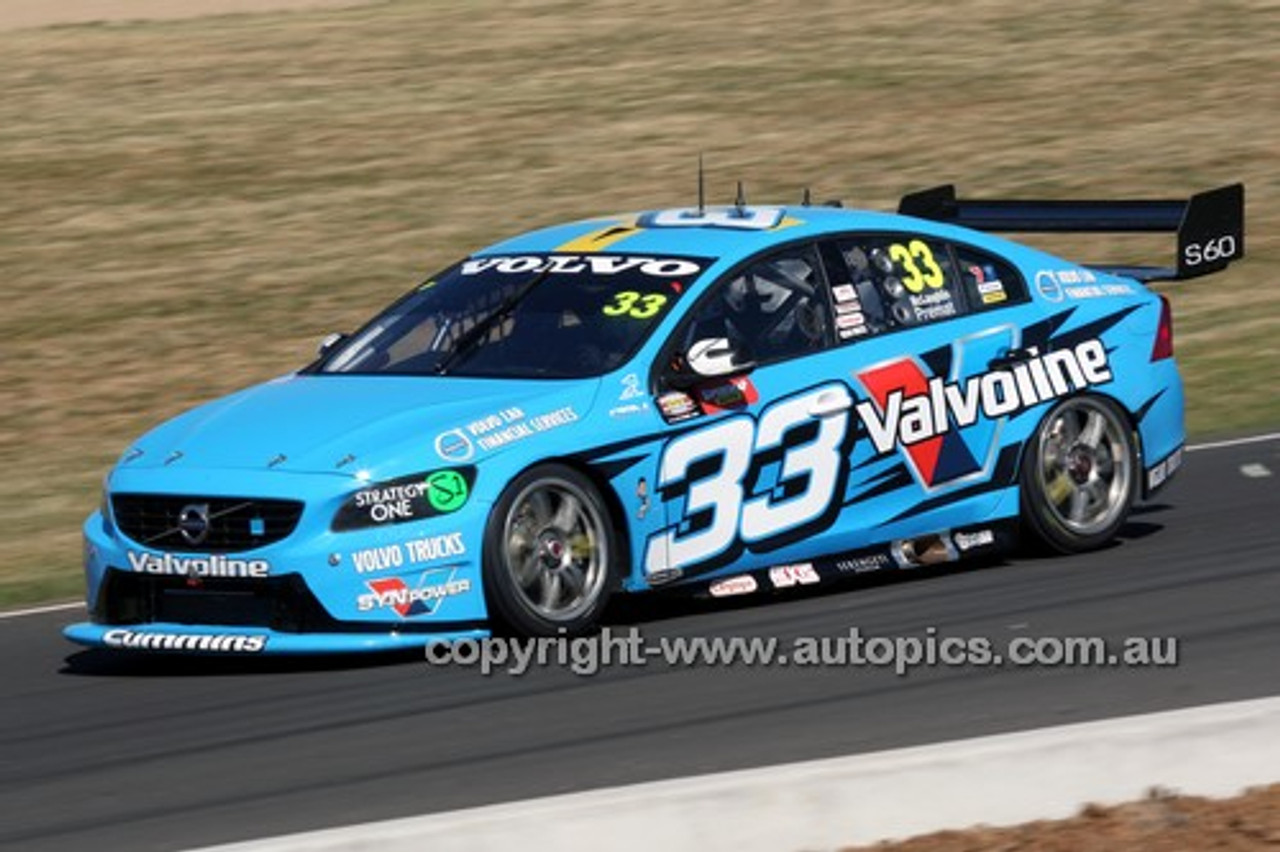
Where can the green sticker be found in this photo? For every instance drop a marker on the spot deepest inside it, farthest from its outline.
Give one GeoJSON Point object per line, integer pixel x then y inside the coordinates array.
{"type": "Point", "coordinates": [446, 490]}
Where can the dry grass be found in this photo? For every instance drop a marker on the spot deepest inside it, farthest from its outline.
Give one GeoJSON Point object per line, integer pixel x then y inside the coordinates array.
{"type": "Point", "coordinates": [187, 206]}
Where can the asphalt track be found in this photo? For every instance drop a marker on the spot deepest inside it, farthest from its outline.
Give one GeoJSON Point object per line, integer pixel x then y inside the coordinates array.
{"type": "Point", "coordinates": [103, 753]}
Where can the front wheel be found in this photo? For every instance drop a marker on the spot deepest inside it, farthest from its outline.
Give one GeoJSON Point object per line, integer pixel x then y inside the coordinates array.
{"type": "Point", "coordinates": [548, 553]}
{"type": "Point", "coordinates": [1079, 479]}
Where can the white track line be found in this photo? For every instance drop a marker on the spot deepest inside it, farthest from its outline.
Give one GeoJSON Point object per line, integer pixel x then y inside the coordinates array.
{"type": "Point", "coordinates": [1191, 448]}
{"type": "Point", "coordinates": [1235, 442]}
{"type": "Point", "coordinates": [40, 610]}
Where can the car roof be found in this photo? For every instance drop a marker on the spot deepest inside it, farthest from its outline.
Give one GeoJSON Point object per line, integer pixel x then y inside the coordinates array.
{"type": "Point", "coordinates": [684, 233]}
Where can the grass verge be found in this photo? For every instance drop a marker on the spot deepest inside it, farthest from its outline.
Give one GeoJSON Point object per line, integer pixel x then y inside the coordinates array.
{"type": "Point", "coordinates": [189, 205]}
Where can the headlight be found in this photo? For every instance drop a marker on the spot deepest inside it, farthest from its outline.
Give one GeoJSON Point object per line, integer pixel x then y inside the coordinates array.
{"type": "Point", "coordinates": [408, 498]}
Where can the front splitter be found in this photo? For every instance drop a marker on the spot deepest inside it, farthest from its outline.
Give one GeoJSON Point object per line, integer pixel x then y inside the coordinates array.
{"type": "Point", "coordinates": [249, 641]}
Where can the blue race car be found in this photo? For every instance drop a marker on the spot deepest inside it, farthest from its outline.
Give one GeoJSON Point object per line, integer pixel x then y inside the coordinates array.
{"type": "Point", "coordinates": [728, 400]}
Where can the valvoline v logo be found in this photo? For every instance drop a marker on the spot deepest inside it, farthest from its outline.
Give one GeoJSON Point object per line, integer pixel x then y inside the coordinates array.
{"type": "Point", "coordinates": [950, 428]}
{"type": "Point", "coordinates": [937, 420]}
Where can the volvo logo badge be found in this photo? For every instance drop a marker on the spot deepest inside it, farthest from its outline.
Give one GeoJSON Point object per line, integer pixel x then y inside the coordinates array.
{"type": "Point", "coordinates": [193, 522]}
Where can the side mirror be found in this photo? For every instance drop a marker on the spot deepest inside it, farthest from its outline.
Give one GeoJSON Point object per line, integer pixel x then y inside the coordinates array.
{"type": "Point", "coordinates": [330, 340]}
{"type": "Point", "coordinates": [711, 358]}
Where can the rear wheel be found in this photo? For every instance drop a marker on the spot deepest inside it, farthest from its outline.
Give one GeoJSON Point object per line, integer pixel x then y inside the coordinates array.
{"type": "Point", "coordinates": [1079, 479]}
{"type": "Point", "coordinates": [548, 554]}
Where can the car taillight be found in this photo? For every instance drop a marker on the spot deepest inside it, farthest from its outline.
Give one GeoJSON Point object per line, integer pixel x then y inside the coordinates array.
{"type": "Point", "coordinates": [1164, 333]}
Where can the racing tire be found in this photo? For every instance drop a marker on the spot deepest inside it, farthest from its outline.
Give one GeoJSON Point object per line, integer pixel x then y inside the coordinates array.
{"type": "Point", "coordinates": [1080, 475]}
{"type": "Point", "coordinates": [549, 552]}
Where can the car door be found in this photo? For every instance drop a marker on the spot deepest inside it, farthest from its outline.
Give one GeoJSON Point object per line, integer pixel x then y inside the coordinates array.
{"type": "Point", "coordinates": [921, 324]}
{"type": "Point", "coordinates": [755, 469]}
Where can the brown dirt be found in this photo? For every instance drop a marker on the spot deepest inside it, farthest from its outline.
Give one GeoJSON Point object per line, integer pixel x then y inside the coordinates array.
{"type": "Point", "coordinates": [1159, 823]}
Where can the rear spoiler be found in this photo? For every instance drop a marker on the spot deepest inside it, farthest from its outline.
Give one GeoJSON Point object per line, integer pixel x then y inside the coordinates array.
{"type": "Point", "coordinates": [1209, 225]}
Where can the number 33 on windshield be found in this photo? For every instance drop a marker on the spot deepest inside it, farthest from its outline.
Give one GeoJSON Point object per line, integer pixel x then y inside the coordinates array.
{"type": "Point", "coordinates": [629, 303]}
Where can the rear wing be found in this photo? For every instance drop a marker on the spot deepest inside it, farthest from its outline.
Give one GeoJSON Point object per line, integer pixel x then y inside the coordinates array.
{"type": "Point", "coordinates": [1209, 225]}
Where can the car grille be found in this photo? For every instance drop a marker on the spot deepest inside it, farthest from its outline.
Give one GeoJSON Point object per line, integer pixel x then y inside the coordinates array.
{"type": "Point", "coordinates": [167, 522]}
{"type": "Point", "coordinates": [279, 603]}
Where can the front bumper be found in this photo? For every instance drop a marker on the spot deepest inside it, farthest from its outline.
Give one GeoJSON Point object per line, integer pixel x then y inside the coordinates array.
{"type": "Point", "coordinates": [313, 591]}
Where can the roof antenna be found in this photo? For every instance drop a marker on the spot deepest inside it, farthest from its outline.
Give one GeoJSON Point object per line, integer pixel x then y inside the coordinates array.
{"type": "Point", "coordinates": [702, 198]}
{"type": "Point", "coordinates": [807, 199]}
{"type": "Point", "coordinates": [740, 203]}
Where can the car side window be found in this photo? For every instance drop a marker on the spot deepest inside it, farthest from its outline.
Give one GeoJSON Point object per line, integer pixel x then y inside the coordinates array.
{"type": "Point", "coordinates": [771, 310]}
{"type": "Point", "coordinates": [894, 281]}
{"type": "Point", "coordinates": [988, 282]}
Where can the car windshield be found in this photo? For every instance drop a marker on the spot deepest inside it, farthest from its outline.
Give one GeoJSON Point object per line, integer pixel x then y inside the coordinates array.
{"type": "Point", "coordinates": [521, 316]}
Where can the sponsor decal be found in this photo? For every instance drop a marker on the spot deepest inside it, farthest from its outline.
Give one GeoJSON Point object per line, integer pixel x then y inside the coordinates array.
{"type": "Point", "coordinates": [925, 414]}
{"type": "Point", "coordinates": [630, 388]}
{"type": "Point", "coordinates": [642, 498]}
{"type": "Point", "coordinates": [863, 564]}
{"type": "Point", "coordinates": [852, 307]}
{"type": "Point", "coordinates": [454, 446]}
{"type": "Point", "coordinates": [856, 331]}
{"type": "Point", "coordinates": [629, 409]}
{"type": "Point", "coordinates": [844, 293]}
{"type": "Point", "coordinates": [389, 502]}
{"type": "Point", "coordinates": [967, 541]}
{"type": "Point", "coordinates": [676, 406]}
{"type": "Point", "coordinates": [799, 574]}
{"type": "Point", "coordinates": [407, 498]}
{"type": "Point", "coordinates": [578, 264]}
{"type": "Point", "coordinates": [735, 393]}
{"type": "Point", "coordinates": [492, 422]}
{"type": "Point", "coordinates": [1053, 284]}
{"type": "Point", "coordinates": [447, 490]}
{"type": "Point", "coordinates": [226, 643]}
{"type": "Point", "coordinates": [1097, 291]}
{"type": "Point", "coordinates": [1047, 285]}
{"type": "Point", "coordinates": [416, 552]}
{"type": "Point", "coordinates": [197, 566]}
{"type": "Point", "coordinates": [743, 584]}
{"type": "Point", "coordinates": [424, 599]}
{"type": "Point", "coordinates": [1160, 473]}
{"type": "Point", "coordinates": [990, 287]}
{"type": "Point", "coordinates": [511, 425]}
{"type": "Point", "coordinates": [854, 320]}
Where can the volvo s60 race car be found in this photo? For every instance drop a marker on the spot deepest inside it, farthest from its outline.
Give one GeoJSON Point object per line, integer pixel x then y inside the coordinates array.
{"type": "Point", "coordinates": [727, 400]}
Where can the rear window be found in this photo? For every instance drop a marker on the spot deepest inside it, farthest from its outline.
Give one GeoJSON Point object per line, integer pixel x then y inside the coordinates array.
{"type": "Point", "coordinates": [895, 281]}
{"type": "Point", "coordinates": [989, 282]}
